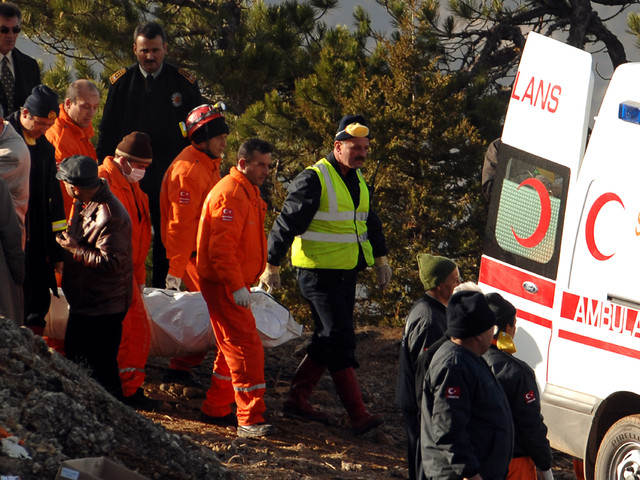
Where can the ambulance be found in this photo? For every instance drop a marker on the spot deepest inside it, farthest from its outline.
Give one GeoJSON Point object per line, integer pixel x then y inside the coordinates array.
{"type": "Point", "coordinates": [562, 244]}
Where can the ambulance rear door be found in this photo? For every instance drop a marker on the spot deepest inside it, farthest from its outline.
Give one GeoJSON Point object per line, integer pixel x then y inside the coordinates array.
{"type": "Point", "coordinates": [543, 142]}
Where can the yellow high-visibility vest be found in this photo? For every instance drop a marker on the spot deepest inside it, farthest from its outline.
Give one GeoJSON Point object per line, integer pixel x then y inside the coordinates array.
{"type": "Point", "coordinates": [337, 228]}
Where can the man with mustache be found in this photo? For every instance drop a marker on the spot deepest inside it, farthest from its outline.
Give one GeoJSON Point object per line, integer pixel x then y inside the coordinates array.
{"type": "Point", "coordinates": [334, 233]}
{"type": "Point", "coordinates": [154, 97]}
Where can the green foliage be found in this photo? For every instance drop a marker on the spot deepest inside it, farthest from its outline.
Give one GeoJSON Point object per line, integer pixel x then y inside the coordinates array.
{"type": "Point", "coordinates": [434, 90]}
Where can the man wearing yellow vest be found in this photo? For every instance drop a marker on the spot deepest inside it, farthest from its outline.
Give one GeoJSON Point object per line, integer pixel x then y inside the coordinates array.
{"type": "Point", "coordinates": [328, 221]}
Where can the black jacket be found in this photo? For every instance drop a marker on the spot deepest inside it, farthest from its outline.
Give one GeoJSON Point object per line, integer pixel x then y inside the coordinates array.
{"type": "Point", "coordinates": [302, 203]}
{"type": "Point", "coordinates": [157, 111]}
{"type": "Point", "coordinates": [27, 76]}
{"type": "Point", "coordinates": [519, 384]}
{"type": "Point", "coordinates": [45, 217]}
{"type": "Point", "coordinates": [426, 323]}
{"type": "Point", "coordinates": [466, 425]}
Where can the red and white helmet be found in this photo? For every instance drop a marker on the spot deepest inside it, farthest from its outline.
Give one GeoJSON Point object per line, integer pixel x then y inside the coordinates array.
{"type": "Point", "coordinates": [206, 121]}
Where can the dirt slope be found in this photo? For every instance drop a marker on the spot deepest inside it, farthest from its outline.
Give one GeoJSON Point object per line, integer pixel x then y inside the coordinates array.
{"type": "Point", "coordinates": [60, 413]}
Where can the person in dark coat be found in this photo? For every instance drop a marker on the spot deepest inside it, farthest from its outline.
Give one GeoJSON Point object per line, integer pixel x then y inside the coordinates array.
{"type": "Point", "coordinates": [426, 323]}
{"type": "Point", "coordinates": [97, 278]}
{"type": "Point", "coordinates": [531, 447]}
{"type": "Point", "coordinates": [466, 430]}
{"type": "Point", "coordinates": [19, 73]}
{"type": "Point", "coordinates": [45, 213]}
{"type": "Point", "coordinates": [328, 221]}
{"type": "Point", "coordinates": [154, 97]}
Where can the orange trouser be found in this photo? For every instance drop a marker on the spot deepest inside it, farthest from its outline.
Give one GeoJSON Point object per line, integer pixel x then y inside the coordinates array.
{"type": "Point", "coordinates": [238, 371]}
{"type": "Point", "coordinates": [192, 282]}
{"type": "Point", "coordinates": [522, 468]}
{"type": "Point", "coordinates": [134, 345]}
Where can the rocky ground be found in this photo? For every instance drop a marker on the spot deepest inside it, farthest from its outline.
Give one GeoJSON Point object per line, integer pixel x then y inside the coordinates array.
{"type": "Point", "coordinates": [59, 413]}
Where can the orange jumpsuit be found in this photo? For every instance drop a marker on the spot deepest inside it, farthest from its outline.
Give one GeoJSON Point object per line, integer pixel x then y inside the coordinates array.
{"type": "Point", "coordinates": [232, 253]}
{"type": "Point", "coordinates": [185, 186]}
{"type": "Point", "coordinates": [69, 139]}
{"type": "Point", "coordinates": [136, 334]}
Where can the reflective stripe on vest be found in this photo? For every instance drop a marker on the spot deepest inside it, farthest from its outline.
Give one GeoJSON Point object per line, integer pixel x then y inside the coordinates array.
{"type": "Point", "coordinates": [337, 232]}
{"type": "Point", "coordinates": [58, 226]}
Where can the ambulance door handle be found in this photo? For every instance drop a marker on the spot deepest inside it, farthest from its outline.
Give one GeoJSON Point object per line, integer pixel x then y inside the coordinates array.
{"type": "Point", "coordinates": [530, 287]}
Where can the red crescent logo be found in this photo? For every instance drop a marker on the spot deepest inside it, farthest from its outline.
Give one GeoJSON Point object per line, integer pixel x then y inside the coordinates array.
{"type": "Point", "coordinates": [545, 215]}
{"type": "Point", "coordinates": [600, 202]}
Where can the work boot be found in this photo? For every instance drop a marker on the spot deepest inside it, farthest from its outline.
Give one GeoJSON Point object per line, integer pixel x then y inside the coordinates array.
{"type": "Point", "coordinates": [181, 377]}
{"type": "Point", "coordinates": [139, 401]}
{"type": "Point", "coordinates": [304, 381]}
{"type": "Point", "coordinates": [256, 430]}
{"type": "Point", "coordinates": [228, 420]}
{"type": "Point", "coordinates": [351, 396]}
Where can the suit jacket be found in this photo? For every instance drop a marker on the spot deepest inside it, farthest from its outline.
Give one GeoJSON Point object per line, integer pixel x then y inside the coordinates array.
{"type": "Point", "coordinates": [27, 76]}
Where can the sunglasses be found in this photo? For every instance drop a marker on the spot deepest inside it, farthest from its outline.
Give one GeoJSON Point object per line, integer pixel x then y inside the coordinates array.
{"type": "Point", "coordinates": [4, 29]}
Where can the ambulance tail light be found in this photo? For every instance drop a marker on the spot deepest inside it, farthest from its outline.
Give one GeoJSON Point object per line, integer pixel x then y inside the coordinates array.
{"type": "Point", "coordinates": [629, 112]}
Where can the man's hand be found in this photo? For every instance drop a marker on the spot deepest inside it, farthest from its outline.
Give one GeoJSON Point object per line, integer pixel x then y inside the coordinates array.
{"type": "Point", "coordinates": [383, 271]}
{"type": "Point", "coordinates": [172, 283]}
{"type": "Point", "coordinates": [271, 277]}
{"type": "Point", "coordinates": [67, 242]}
{"type": "Point", "coordinates": [242, 297]}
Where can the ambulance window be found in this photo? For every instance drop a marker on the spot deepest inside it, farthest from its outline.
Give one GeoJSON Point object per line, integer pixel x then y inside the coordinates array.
{"type": "Point", "coordinates": [526, 213]}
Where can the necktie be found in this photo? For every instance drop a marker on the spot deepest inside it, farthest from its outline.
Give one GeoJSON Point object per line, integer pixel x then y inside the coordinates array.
{"type": "Point", "coordinates": [149, 79]}
{"type": "Point", "coordinates": [8, 84]}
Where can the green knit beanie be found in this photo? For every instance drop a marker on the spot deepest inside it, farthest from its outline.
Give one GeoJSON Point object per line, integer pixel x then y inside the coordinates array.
{"type": "Point", "coordinates": [434, 270]}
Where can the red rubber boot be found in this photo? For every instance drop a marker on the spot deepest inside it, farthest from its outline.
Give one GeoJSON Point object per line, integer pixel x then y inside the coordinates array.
{"type": "Point", "coordinates": [304, 381]}
{"type": "Point", "coordinates": [351, 397]}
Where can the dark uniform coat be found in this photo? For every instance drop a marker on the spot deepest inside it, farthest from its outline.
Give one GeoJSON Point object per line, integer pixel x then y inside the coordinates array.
{"type": "Point", "coordinates": [426, 323]}
{"type": "Point", "coordinates": [519, 383]}
{"type": "Point", "coordinates": [466, 425]}
{"type": "Point", "coordinates": [156, 108]}
{"type": "Point", "coordinates": [45, 217]}
{"type": "Point", "coordinates": [27, 76]}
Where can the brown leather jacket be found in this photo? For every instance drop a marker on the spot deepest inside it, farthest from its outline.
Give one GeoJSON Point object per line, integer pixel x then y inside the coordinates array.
{"type": "Point", "coordinates": [98, 278]}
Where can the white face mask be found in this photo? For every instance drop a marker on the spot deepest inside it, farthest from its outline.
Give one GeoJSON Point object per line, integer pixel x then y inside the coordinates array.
{"type": "Point", "coordinates": [136, 175]}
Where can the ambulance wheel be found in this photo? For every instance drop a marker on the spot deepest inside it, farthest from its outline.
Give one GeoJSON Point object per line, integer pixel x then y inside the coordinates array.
{"type": "Point", "coordinates": [619, 453]}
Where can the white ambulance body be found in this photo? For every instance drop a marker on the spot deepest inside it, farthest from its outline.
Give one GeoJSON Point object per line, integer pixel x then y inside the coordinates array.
{"type": "Point", "coordinates": [563, 245]}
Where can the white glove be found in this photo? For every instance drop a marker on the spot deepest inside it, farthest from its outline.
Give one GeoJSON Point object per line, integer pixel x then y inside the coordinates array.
{"type": "Point", "coordinates": [242, 297]}
{"type": "Point", "coordinates": [271, 277]}
{"type": "Point", "coordinates": [383, 271]}
{"type": "Point", "coordinates": [172, 283]}
{"type": "Point", "coordinates": [547, 474]}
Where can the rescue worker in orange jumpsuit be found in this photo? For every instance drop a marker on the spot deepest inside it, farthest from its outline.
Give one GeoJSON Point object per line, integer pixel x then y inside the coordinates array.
{"type": "Point", "coordinates": [185, 186]}
{"type": "Point", "coordinates": [123, 172]}
{"type": "Point", "coordinates": [72, 131]}
{"type": "Point", "coordinates": [232, 252]}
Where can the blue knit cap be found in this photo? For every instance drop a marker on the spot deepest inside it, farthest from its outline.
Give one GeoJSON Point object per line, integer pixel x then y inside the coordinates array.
{"type": "Point", "coordinates": [43, 102]}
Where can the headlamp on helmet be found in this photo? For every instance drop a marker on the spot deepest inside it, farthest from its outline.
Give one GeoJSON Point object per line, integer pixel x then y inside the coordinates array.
{"type": "Point", "coordinates": [204, 122]}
